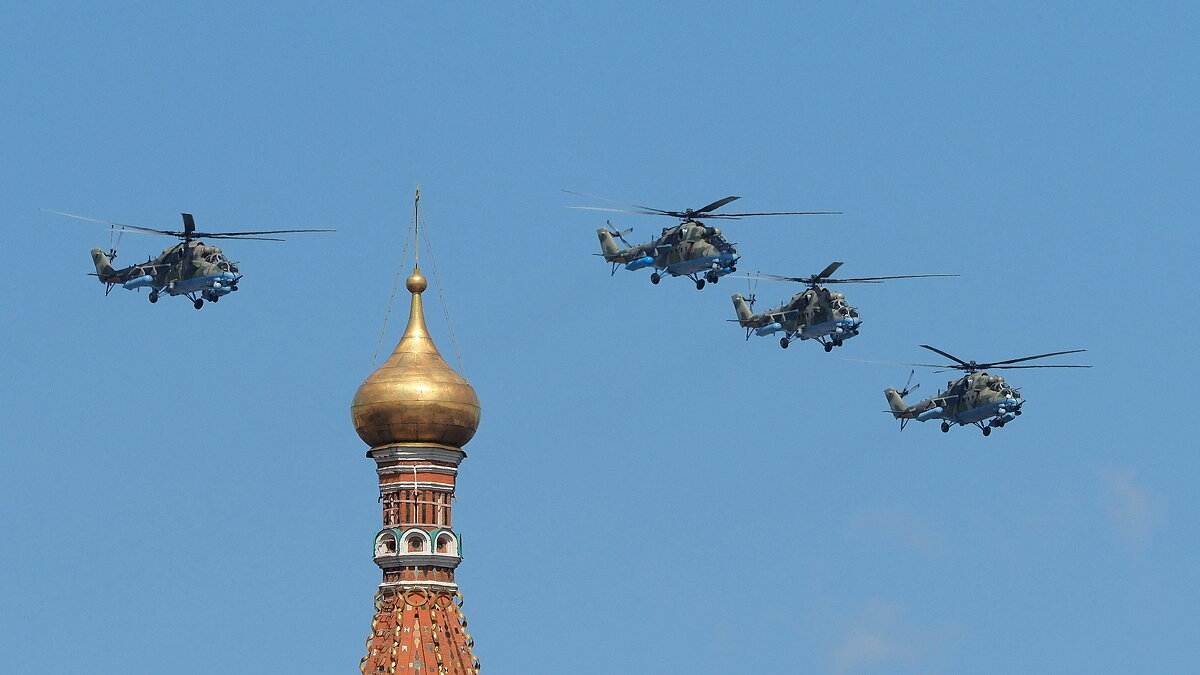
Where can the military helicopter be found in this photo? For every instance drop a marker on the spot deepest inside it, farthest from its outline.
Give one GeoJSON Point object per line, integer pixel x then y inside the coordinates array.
{"type": "Point", "coordinates": [190, 268]}
{"type": "Point", "coordinates": [691, 248]}
{"type": "Point", "coordinates": [815, 313]}
{"type": "Point", "coordinates": [986, 401]}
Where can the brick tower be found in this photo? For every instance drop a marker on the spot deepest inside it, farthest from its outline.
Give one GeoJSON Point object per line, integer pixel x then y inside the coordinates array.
{"type": "Point", "coordinates": [416, 414]}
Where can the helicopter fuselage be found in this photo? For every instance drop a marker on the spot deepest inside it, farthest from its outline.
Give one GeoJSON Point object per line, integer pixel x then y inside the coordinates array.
{"type": "Point", "coordinates": [975, 398]}
{"type": "Point", "coordinates": [689, 249]}
{"type": "Point", "coordinates": [189, 268]}
{"type": "Point", "coordinates": [813, 314]}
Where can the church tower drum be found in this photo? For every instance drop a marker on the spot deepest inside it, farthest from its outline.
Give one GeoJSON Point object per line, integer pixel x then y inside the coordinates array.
{"type": "Point", "coordinates": [416, 414]}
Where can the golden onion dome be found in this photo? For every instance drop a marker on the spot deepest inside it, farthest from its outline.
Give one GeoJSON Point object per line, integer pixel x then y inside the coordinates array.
{"type": "Point", "coordinates": [415, 397]}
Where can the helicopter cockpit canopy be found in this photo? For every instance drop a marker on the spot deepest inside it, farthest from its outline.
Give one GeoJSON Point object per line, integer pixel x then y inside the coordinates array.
{"type": "Point", "coordinates": [215, 257]}
{"type": "Point", "coordinates": [718, 240]}
{"type": "Point", "coordinates": [838, 306]}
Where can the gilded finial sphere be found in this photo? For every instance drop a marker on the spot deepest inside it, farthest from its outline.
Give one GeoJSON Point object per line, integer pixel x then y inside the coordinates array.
{"type": "Point", "coordinates": [416, 282]}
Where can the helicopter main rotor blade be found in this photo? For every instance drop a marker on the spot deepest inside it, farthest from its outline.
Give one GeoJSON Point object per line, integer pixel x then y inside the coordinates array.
{"type": "Point", "coordinates": [812, 281]}
{"type": "Point", "coordinates": [136, 228]}
{"type": "Point", "coordinates": [769, 277]}
{"type": "Point", "coordinates": [211, 235]}
{"type": "Point", "coordinates": [714, 206]}
{"type": "Point", "coordinates": [833, 266]}
{"type": "Point", "coordinates": [191, 234]}
{"type": "Point", "coordinates": [991, 367]}
{"type": "Point", "coordinates": [613, 201]}
{"type": "Point", "coordinates": [1030, 358]}
{"type": "Point", "coordinates": [876, 279]}
{"type": "Point", "coordinates": [775, 213]}
{"type": "Point", "coordinates": [896, 363]}
{"type": "Point", "coordinates": [949, 356]}
{"type": "Point", "coordinates": [602, 208]}
{"type": "Point", "coordinates": [242, 234]}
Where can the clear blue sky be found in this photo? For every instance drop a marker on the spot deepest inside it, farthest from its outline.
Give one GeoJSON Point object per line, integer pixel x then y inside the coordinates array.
{"type": "Point", "coordinates": [183, 491]}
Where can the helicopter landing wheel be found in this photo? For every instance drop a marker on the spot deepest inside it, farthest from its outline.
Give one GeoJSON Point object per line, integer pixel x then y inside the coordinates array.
{"type": "Point", "coordinates": [1017, 411]}
{"type": "Point", "coordinates": [732, 269]}
{"type": "Point", "coordinates": [828, 346]}
{"type": "Point", "coordinates": [215, 298]}
{"type": "Point", "coordinates": [945, 427]}
{"type": "Point", "coordinates": [233, 287]}
{"type": "Point", "coordinates": [699, 284]}
{"type": "Point", "coordinates": [712, 277]}
{"type": "Point", "coordinates": [987, 431]}
{"type": "Point", "coordinates": [783, 342]}
{"type": "Point", "coordinates": [198, 303]}
{"type": "Point", "coordinates": [655, 277]}
{"type": "Point", "coordinates": [153, 297]}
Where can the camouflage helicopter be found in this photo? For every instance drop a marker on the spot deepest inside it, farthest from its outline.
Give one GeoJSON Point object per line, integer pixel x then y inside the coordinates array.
{"type": "Point", "coordinates": [691, 248]}
{"type": "Point", "coordinates": [815, 313]}
{"type": "Point", "coordinates": [986, 401]}
{"type": "Point", "coordinates": [190, 268]}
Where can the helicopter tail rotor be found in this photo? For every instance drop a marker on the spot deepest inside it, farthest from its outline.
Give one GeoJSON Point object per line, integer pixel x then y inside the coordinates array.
{"type": "Point", "coordinates": [908, 390]}
{"type": "Point", "coordinates": [619, 234]}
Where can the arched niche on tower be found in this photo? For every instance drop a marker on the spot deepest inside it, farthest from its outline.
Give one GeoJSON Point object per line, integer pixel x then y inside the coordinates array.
{"type": "Point", "coordinates": [387, 542]}
{"type": "Point", "coordinates": [446, 542]}
{"type": "Point", "coordinates": [415, 541]}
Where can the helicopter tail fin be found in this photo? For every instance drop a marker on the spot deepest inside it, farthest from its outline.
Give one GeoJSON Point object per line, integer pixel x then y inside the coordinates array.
{"type": "Point", "coordinates": [608, 245]}
{"type": "Point", "coordinates": [744, 313]}
{"type": "Point", "coordinates": [896, 403]}
{"type": "Point", "coordinates": [104, 268]}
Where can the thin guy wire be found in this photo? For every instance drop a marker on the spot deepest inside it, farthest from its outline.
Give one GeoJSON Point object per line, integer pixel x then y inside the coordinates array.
{"type": "Point", "coordinates": [391, 299]}
{"type": "Point", "coordinates": [445, 308]}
